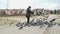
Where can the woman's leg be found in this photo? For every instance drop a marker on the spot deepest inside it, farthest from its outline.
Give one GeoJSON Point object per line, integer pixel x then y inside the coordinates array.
{"type": "Point", "coordinates": [28, 20]}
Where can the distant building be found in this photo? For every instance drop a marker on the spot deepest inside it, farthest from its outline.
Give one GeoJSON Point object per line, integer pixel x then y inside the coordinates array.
{"type": "Point", "coordinates": [47, 11]}
{"type": "Point", "coordinates": [38, 11]}
{"type": "Point", "coordinates": [23, 11]}
{"type": "Point", "coordinates": [12, 11]}
{"type": "Point", "coordinates": [58, 11]}
{"type": "Point", "coordinates": [2, 12]}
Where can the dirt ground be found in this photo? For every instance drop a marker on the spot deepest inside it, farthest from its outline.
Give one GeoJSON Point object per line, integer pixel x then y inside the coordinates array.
{"type": "Point", "coordinates": [5, 27]}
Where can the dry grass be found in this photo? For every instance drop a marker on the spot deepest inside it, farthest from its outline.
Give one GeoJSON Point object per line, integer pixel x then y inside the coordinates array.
{"type": "Point", "coordinates": [12, 19]}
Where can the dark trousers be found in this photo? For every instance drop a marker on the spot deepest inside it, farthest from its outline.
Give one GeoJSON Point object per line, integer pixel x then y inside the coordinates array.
{"type": "Point", "coordinates": [28, 19]}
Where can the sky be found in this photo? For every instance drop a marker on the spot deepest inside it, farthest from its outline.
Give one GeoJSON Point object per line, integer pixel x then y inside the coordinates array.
{"type": "Point", "coordinates": [23, 4]}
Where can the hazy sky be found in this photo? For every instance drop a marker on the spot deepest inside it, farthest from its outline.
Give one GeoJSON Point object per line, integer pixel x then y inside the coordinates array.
{"type": "Point", "coordinates": [23, 4]}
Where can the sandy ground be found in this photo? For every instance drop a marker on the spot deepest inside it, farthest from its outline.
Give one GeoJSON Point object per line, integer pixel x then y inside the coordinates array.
{"type": "Point", "coordinates": [13, 29]}
{"type": "Point", "coordinates": [26, 30]}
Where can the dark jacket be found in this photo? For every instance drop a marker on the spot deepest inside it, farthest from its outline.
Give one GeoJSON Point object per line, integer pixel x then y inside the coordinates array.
{"type": "Point", "coordinates": [28, 12]}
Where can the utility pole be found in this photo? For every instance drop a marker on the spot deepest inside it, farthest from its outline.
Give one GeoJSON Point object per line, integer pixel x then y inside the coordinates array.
{"type": "Point", "coordinates": [7, 6]}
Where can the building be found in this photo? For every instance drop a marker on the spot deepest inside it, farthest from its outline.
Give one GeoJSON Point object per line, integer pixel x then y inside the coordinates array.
{"type": "Point", "coordinates": [23, 11]}
{"type": "Point", "coordinates": [47, 11]}
{"type": "Point", "coordinates": [12, 11]}
{"type": "Point", "coordinates": [38, 11]}
{"type": "Point", "coordinates": [58, 11]}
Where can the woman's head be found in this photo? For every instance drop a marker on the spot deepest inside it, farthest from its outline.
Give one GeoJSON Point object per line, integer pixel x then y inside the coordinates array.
{"type": "Point", "coordinates": [29, 7]}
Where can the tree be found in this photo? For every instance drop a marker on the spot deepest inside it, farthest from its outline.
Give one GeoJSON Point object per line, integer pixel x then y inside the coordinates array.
{"type": "Point", "coordinates": [55, 11]}
{"type": "Point", "coordinates": [51, 12]}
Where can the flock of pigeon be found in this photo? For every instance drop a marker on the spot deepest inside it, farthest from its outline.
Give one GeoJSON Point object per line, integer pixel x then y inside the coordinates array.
{"type": "Point", "coordinates": [38, 22]}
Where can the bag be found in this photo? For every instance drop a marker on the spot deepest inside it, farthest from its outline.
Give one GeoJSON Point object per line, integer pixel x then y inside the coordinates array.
{"type": "Point", "coordinates": [27, 15]}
